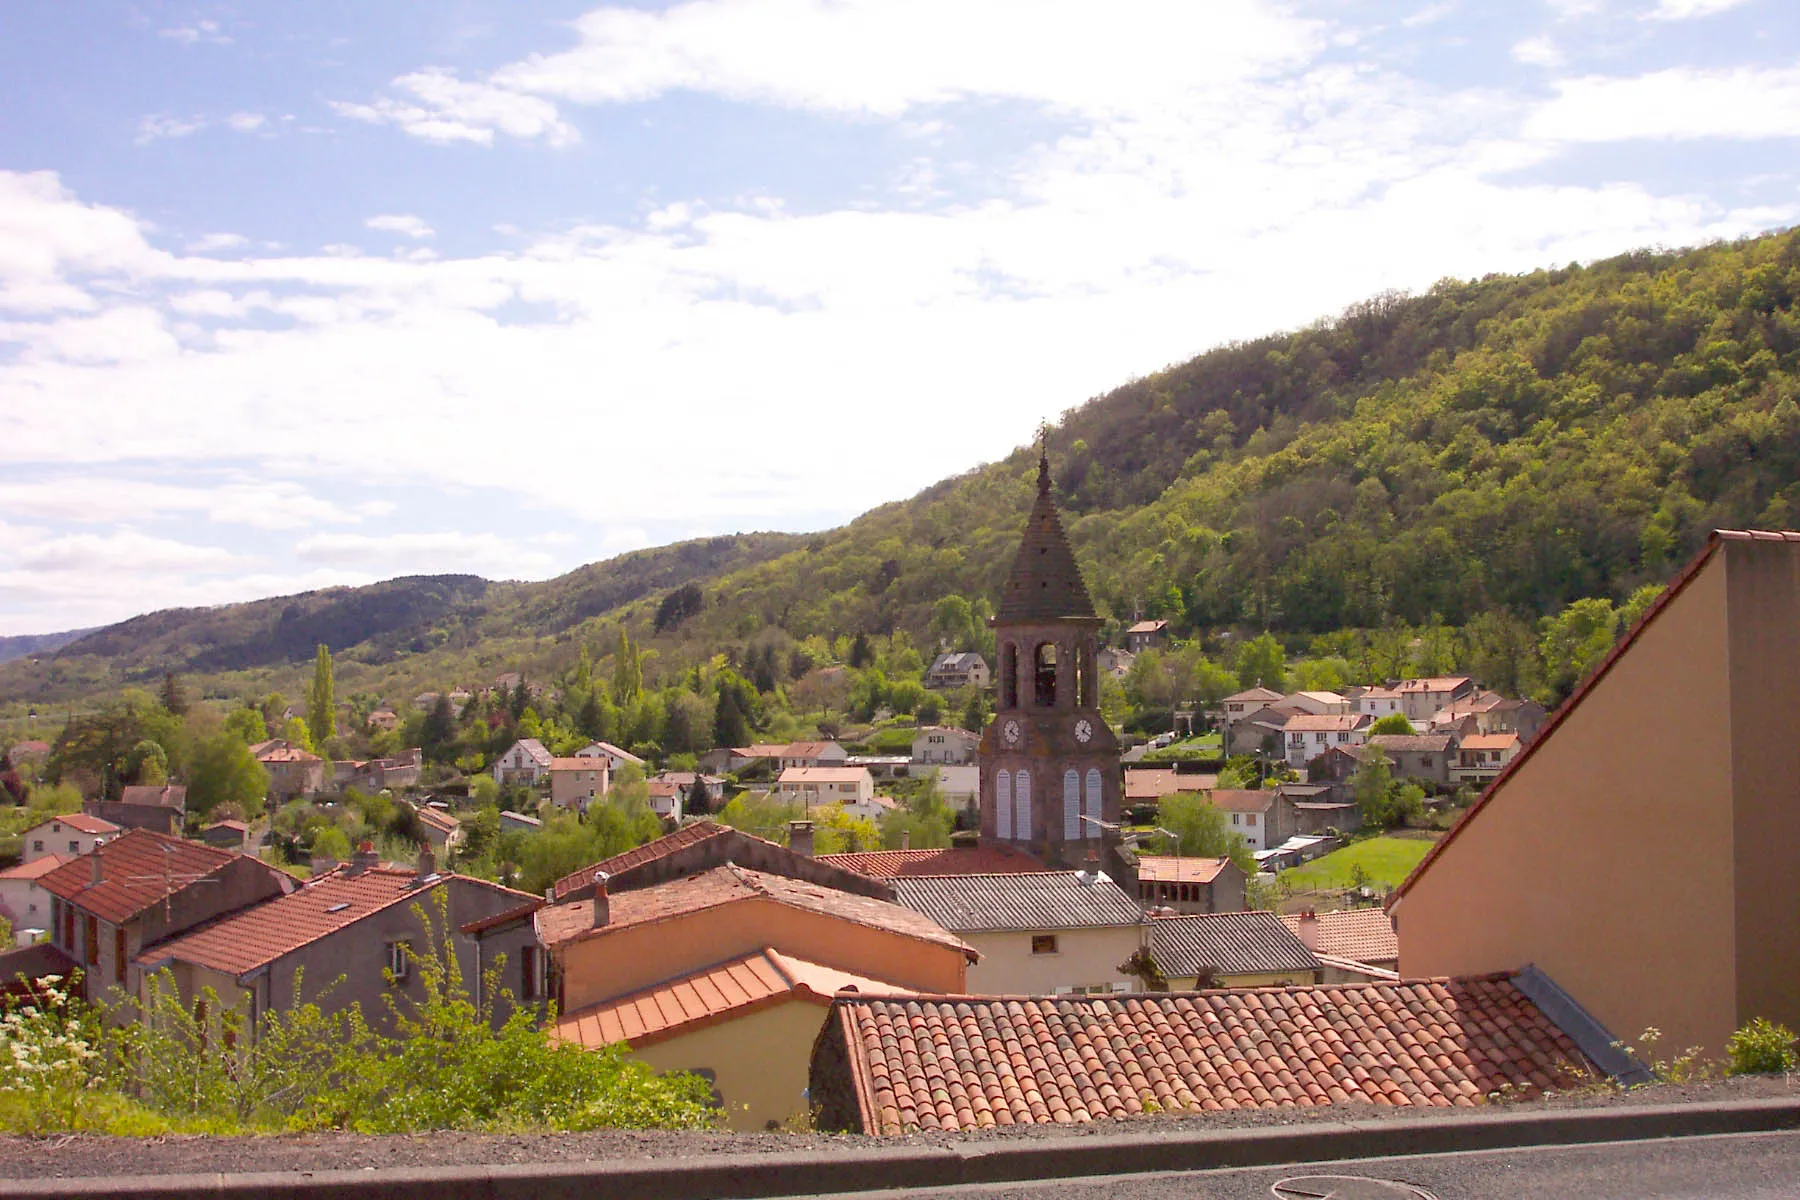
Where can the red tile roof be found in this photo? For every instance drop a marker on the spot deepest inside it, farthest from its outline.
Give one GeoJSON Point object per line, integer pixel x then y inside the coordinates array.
{"type": "Point", "coordinates": [731, 884]}
{"type": "Point", "coordinates": [975, 1062]}
{"type": "Point", "coordinates": [170, 796]}
{"type": "Point", "coordinates": [1241, 800]}
{"type": "Point", "coordinates": [1363, 935]}
{"type": "Point", "coordinates": [708, 996]}
{"type": "Point", "coordinates": [955, 860]}
{"type": "Point", "coordinates": [80, 823]}
{"type": "Point", "coordinates": [287, 754]}
{"type": "Point", "coordinates": [682, 838]}
{"type": "Point", "coordinates": [36, 868]}
{"type": "Point", "coordinates": [248, 939]}
{"type": "Point", "coordinates": [1517, 763]}
{"type": "Point", "coordinates": [1328, 722]}
{"type": "Point", "coordinates": [137, 869]}
{"type": "Point", "coordinates": [1166, 868]}
{"type": "Point", "coordinates": [1490, 741]}
{"type": "Point", "coordinates": [1155, 783]}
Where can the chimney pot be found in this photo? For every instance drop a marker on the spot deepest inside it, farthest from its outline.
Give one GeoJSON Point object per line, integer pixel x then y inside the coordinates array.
{"type": "Point", "coordinates": [427, 861]}
{"type": "Point", "coordinates": [1308, 932]}
{"type": "Point", "coordinates": [94, 861]}
{"type": "Point", "coordinates": [906, 839]}
{"type": "Point", "coordinates": [364, 859]}
{"type": "Point", "coordinates": [602, 905]}
{"type": "Point", "coordinates": [800, 837]}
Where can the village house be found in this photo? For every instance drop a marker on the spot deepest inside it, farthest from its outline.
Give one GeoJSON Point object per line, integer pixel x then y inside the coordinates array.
{"type": "Point", "coordinates": [711, 789]}
{"type": "Point", "coordinates": [349, 936]}
{"type": "Point", "coordinates": [944, 744]}
{"type": "Point", "coordinates": [139, 889]}
{"type": "Point", "coordinates": [579, 781]}
{"type": "Point", "coordinates": [292, 771]}
{"type": "Point", "coordinates": [1232, 949]}
{"type": "Point", "coordinates": [617, 759]}
{"type": "Point", "coordinates": [729, 973]}
{"type": "Point", "coordinates": [957, 669]}
{"type": "Point", "coordinates": [1114, 662]}
{"type": "Point", "coordinates": [1262, 732]}
{"type": "Point", "coordinates": [1189, 885]}
{"type": "Point", "coordinates": [67, 835]}
{"type": "Point", "coordinates": [1051, 932]}
{"type": "Point", "coordinates": [891, 1065]}
{"type": "Point", "coordinates": [1305, 737]}
{"type": "Point", "coordinates": [524, 762]}
{"type": "Point", "coordinates": [23, 900]}
{"type": "Point", "coordinates": [227, 834]}
{"type": "Point", "coordinates": [959, 786]}
{"type": "Point", "coordinates": [1248, 702]}
{"type": "Point", "coordinates": [699, 846]}
{"type": "Point", "coordinates": [383, 720]}
{"type": "Point", "coordinates": [1540, 870]}
{"type": "Point", "coordinates": [1378, 702]}
{"type": "Point", "coordinates": [396, 772]}
{"type": "Point", "coordinates": [443, 832]}
{"type": "Point", "coordinates": [1147, 635]}
{"type": "Point", "coordinates": [1318, 704]}
{"type": "Point", "coordinates": [1259, 816]}
{"type": "Point", "coordinates": [1427, 756]}
{"type": "Point", "coordinates": [1319, 807]}
{"type": "Point", "coordinates": [814, 786]}
{"type": "Point", "coordinates": [1148, 785]}
{"type": "Point", "coordinates": [1482, 756]}
{"type": "Point", "coordinates": [665, 798]}
{"type": "Point", "coordinates": [1419, 698]}
{"type": "Point", "coordinates": [1357, 935]}
{"type": "Point", "coordinates": [160, 809]}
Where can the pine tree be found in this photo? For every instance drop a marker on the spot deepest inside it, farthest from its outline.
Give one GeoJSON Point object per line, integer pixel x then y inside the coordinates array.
{"type": "Point", "coordinates": [730, 726]}
{"type": "Point", "coordinates": [174, 694]}
{"type": "Point", "coordinates": [859, 651]}
{"type": "Point", "coordinates": [321, 704]}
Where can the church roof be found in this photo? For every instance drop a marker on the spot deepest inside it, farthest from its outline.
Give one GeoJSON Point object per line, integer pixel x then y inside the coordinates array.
{"type": "Point", "coordinates": [1045, 583]}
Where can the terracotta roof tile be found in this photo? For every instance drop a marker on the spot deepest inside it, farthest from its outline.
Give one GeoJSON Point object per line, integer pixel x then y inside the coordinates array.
{"type": "Point", "coordinates": [1360, 934]}
{"type": "Point", "coordinates": [730, 884]}
{"type": "Point", "coordinates": [137, 869]}
{"type": "Point", "coordinates": [1328, 722]}
{"type": "Point", "coordinates": [710, 995]}
{"type": "Point", "coordinates": [168, 796]}
{"type": "Point", "coordinates": [80, 823]}
{"type": "Point", "coordinates": [955, 860]}
{"type": "Point", "coordinates": [1166, 868]}
{"type": "Point", "coordinates": [1237, 943]}
{"type": "Point", "coordinates": [1490, 741]}
{"type": "Point", "coordinates": [959, 1063]}
{"type": "Point", "coordinates": [1156, 782]}
{"type": "Point", "coordinates": [1240, 800]}
{"type": "Point", "coordinates": [686, 836]}
{"type": "Point", "coordinates": [37, 868]}
{"type": "Point", "coordinates": [1041, 900]}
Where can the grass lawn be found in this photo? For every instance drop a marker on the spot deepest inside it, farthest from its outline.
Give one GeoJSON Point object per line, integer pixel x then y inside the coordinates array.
{"type": "Point", "coordinates": [1388, 860]}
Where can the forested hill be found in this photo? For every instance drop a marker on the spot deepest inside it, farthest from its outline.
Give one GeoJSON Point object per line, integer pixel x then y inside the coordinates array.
{"type": "Point", "coordinates": [1477, 456]}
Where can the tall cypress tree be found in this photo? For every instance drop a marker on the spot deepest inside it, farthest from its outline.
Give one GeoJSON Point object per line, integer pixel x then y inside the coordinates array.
{"type": "Point", "coordinates": [321, 704]}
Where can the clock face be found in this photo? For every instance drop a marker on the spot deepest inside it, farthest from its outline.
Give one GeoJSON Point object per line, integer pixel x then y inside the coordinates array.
{"type": "Point", "coordinates": [1010, 731]}
{"type": "Point", "coordinates": [1083, 730]}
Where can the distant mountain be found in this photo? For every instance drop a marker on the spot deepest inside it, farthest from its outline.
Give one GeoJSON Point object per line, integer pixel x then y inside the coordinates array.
{"type": "Point", "coordinates": [1477, 456]}
{"type": "Point", "coordinates": [26, 644]}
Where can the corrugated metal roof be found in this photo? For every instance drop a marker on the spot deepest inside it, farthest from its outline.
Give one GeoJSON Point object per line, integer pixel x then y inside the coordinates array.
{"type": "Point", "coordinates": [1043, 900]}
{"type": "Point", "coordinates": [1240, 943]}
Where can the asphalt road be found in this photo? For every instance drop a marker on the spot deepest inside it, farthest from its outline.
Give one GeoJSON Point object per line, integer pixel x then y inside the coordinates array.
{"type": "Point", "coordinates": [1729, 1167]}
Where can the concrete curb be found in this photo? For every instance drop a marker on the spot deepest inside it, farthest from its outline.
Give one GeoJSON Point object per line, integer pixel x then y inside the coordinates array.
{"type": "Point", "coordinates": [745, 1177]}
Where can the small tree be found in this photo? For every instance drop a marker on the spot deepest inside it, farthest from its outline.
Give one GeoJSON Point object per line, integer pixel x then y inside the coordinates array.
{"type": "Point", "coordinates": [1393, 723]}
{"type": "Point", "coordinates": [1262, 662]}
{"type": "Point", "coordinates": [1373, 785]}
{"type": "Point", "coordinates": [173, 694]}
{"type": "Point", "coordinates": [1200, 826]}
{"type": "Point", "coordinates": [223, 771]}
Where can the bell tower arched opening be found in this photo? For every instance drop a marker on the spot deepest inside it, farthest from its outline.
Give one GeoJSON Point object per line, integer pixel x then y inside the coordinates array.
{"type": "Point", "coordinates": [1044, 674]}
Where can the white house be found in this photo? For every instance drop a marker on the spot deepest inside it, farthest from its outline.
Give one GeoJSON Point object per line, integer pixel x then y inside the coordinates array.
{"type": "Point", "coordinates": [1306, 736]}
{"type": "Point", "coordinates": [960, 785]}
{"type": "Point", "coordinates": [1378, 702]}
{"type": "Point", "coordinates": [68, 835]}
{"type": "Point", "coordinates": [826, 785]}
{"type": "Point", "coordinates": [22, 901]}
{"type": "Point", "coordinates": [1481, 756]}
{"type": "Point", "coordinates": [813, 754]}
{"type": "Point", "coordinates": [961, 668]}
{"type": "Point", "coordinates": [1248, 703]}
{"type": "Point", "coordinates": [1319, 704]}
{"type": "Point", "coordinates": [525, 761]}
{"type": "Point", "coordinates": [944, 744]}
{"type": "Point", "coordinates": [666, 798]}
{"type": "Point", "coordinates": [611, 753]}
{"type": "Point", "coordinates": [1248, 813]}
{"type": "Point", "coordinates": [1419, 698]}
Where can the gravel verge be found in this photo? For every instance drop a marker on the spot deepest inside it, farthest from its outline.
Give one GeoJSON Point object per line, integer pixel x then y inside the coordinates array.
{"type": "Point", "coordinates": [79, 1155]}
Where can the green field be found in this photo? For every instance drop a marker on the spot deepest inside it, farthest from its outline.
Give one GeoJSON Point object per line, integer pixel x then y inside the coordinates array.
{"type": "Point", "coordinates": [1388, 860]}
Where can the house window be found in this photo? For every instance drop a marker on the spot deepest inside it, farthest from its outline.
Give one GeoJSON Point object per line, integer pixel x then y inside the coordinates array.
{"type": "Point", "coordinates": [1236, 819]}
{"type": "Point", "coordinates": [531, 972]}
{"type": "Point", "coordinates": [74, 846]}
{"type": "Point", "coordinates": [1250, 819]}
{"type": "Point", "coordinates": [1043, 943]}
{"type": "Point", "coordinates": [399, 960]}
{"type": "Point", "coordinates": [37, 845]}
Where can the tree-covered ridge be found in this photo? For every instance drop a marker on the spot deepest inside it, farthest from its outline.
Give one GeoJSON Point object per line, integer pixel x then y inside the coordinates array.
{"type": "Point", "coordinates": [1477, 457]}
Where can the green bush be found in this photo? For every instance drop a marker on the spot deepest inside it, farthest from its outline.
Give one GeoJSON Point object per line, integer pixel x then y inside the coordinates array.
{"type": "Point", "coordinates": [1760, 1048]}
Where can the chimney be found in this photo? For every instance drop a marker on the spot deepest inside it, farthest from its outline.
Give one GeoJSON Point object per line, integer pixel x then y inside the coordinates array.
{"type": "Point", "coordinates": [906, 839]}
{"type": "Point", "coordinates": [94, 866]}
{"type": "Point", "coordinates": [1309, 930]}
{"type": "Point", "coordinates": [427, 862]}
{"type": "Point", "coordinates": [602, 905]}
{"type": "Point", "coordinates": [800, 837]}
{"type": "Point", "coordinates": [364, 858]}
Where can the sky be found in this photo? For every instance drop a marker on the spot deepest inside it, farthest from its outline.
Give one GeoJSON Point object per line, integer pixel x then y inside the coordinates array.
{"type": "Point", "coordinates": [302, 295]}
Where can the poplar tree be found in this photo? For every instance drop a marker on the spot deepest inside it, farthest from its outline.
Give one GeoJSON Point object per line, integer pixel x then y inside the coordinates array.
{"type": "Point", "coordinates": [321, 705]}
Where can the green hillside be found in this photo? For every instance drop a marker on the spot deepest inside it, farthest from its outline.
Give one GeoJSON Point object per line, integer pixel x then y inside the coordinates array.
{"type": "Point", "coordinates": [1455, 466]}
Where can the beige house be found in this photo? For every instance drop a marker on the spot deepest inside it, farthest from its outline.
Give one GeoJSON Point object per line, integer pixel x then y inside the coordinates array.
{"type": "Point", "coordinates": [1189, 885]}
{"type": "Point", "coordinates": [1039, 934]}
{"type": "Point", "coordinates": [68, 835]}
{"type": "Point", "coordinates": [1309, 735]}
{"type": "Point", "coordinates": [729, 972]}
{"type": "Point", "coordinates": [1482, 756]}
{"type": "Point", "coordinates": [292, 771]}
{"type": "Point", "coordinates": [578, 782]}
{"type": "Point", "coordinates": [525, 761]}
{"type": "Point", "coordinates": [814, 786]}
{"type": "Point", "coordinates": [1545, 868]}
{"type": "Point", "coordinates": [1420, 698]}
{"type": "Point", "coordinates": [944, 744]}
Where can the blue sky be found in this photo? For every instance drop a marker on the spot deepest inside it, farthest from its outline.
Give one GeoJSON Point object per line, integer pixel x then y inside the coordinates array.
{"type": "Point", "coordinates": [293, 295]}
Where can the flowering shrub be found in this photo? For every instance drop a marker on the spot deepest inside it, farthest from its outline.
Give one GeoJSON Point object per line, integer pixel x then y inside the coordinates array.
{"type": "Point", "coordinates": [1759, 1048]}
{"type": "Point", "coordinates": [48, 1056]}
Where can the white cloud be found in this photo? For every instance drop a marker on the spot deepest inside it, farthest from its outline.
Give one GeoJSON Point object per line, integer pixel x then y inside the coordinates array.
{"type": "Point", "coordinates": [208, 243]}
{"type": "Point", "coordinates": [486, 554]}
{"type": "Point", "coordinates": [1685, 10]}
{"type": "Point", "coordinates": [89, 498]}
{"type": "Point", "coordinates": [404, 224]}
{"type": "Point", "coordinates": [1431, 14]}
{"type": "Point", "coordinates": [32, 551]}
{"type": "Point", "coordinates": [445, 109]}
{"type": "Point", "coordinates": [1538, 51]}
{"type": "Point", "coordinates": [200, 31]}
{"type": "Point", "coordinates": [158, 126]}
{"type": "Point", "coordinates": [246, 122]}
{"type": "Point", "coordinates": [1676, 104]}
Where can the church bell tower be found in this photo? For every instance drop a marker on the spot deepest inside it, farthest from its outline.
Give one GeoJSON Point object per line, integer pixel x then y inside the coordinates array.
{"type": "Point", "coordinates": [1048, 759]}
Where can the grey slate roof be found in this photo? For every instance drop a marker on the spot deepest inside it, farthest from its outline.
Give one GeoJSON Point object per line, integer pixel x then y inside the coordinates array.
{"type": "Point", "coordinates": [1239, 943]}
{"type": "Point", "coordinates": [1021, 902]}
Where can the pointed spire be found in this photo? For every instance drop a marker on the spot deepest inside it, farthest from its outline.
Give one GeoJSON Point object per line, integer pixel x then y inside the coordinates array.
{"type": "Point", "coordinates": [1043, 459]}
{"type": "Point", "coordinates": [1045, 583]}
